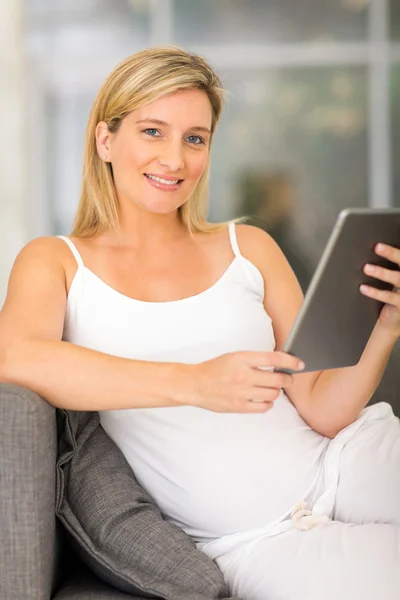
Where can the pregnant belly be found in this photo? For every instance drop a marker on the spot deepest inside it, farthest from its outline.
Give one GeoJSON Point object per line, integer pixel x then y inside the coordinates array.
{"type": "Point", "coordinates": [214, 474]}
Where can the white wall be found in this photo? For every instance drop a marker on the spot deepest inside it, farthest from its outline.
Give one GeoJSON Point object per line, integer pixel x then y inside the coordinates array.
{"type": "Point", "coordinates": [13, 194]}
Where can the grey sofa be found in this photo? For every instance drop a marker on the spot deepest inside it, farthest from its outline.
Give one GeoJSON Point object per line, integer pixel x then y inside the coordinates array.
{"type": "Point", "coordinates": [36, 563]}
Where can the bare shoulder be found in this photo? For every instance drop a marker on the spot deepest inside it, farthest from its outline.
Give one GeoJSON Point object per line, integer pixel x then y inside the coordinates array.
{"type": "Point", "coordinates": [50, 247]}
{"type": "Point", "coordinates": [36, 296]}
{"type": "Point", "coordinates": [252, 233]}
{"type": "Point", "coordinates": [258, 246]}
{"type": "Point", "coordinates": [46, 253]}
{"type": "Point", "coordinates": [280, 282]}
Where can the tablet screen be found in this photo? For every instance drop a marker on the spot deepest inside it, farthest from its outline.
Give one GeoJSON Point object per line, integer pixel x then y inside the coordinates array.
{"type": "Point", "coordinates": [336, 319]}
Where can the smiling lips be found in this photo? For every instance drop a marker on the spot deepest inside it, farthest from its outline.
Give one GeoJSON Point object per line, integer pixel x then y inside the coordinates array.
{"type": "Point", "coordinates": [163, 183]}
{"type": "Point", "coordinates": [165, 180]}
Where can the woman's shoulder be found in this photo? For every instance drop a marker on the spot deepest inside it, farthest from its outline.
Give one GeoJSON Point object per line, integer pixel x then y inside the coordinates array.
{"type": "Point", "coordinates": [42, 259]}
{"type": "Point", "coordinates": [257, 245]}
{"type": "Point", "coordinates": [254, 243]}
{"type": "Point", "coordinates": [50, 253]}
{"type": "Point", "coordinates": [50, 249]}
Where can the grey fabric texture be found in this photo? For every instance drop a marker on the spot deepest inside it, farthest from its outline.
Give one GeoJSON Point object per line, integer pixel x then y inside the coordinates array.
{"type": "Point", "coordinates": [27, 503]}
{"type": "Point", "coordinates": [82, 584]}
{"type": "Point", "coordinates": [115, 526]}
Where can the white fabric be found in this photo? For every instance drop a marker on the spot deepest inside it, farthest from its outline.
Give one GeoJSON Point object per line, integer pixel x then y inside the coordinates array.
{"type": "Point", "coordinates": [232, 482]}
{"type": "Point", "coordinates": [338, 561]}
{"type": "Point", "coordinates": [355, 557]}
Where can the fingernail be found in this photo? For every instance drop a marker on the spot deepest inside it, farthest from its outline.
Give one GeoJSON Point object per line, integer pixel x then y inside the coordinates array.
{"type": "Point", "coordinates": [301, 365]}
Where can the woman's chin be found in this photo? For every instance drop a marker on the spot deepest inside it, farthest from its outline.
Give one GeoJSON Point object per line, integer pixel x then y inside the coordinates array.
{"type": "Point", "coordinates": [163, 207]}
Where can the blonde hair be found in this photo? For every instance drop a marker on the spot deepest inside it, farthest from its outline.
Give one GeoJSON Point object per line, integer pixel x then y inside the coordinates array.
{"type": "Point", "coordinates": [138, 80]}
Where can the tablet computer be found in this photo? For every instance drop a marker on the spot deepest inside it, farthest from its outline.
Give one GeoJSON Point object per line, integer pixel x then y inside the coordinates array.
{"type": "Point", "coordinates": [336, 320]}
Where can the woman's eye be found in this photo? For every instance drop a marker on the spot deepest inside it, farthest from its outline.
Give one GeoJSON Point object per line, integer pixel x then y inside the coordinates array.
{"type": "Point", "coordinates": [151, 132]}
{"type": "Point", "coordinates": [195, 139]}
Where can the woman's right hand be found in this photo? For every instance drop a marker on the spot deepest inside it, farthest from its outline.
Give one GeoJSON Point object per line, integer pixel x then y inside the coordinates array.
{"type": "Point", "coordinates": [237, 382]}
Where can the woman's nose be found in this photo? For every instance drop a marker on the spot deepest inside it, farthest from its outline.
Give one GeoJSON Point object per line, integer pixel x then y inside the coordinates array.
{"type": "Point", "coordinates": [172, 157]}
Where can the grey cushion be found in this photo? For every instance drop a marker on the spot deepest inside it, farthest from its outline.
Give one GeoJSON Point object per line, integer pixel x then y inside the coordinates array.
{"type": "Point", "coordinates": [115, 526]}
{"type": "Point", "coordinates": [28, 446]}
{"type": "Point", "coordinates": [82, 584]}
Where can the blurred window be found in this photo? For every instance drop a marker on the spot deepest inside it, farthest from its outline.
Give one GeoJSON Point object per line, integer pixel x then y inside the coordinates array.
{"type": "Point", "coordinates": [395, 118]}
{"type": "Point", "coordinates": [395, 20]}
{"type": "Point", "coordinates": [85, 27]}
{"type": "Point", "coordinates": [67, 118]}
{"type": "Point", "coordinates": [268, 21]}
{"type": "Point", "coordinates": [292, 150]}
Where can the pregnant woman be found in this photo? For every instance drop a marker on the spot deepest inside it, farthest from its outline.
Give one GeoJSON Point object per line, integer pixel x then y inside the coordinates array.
{"type": "Point", "coordinates": [161, 322]}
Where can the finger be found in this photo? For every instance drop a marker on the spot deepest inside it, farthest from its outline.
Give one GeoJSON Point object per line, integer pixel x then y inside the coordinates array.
{"type": "Point", "coordinates": [263, 394]}
{"type": "Point", "coordinates": [257, 407]}
{"type": "Point", "coordinates": [266, 360]}
{"type": "Point", "coordinates": [389, 252]}
{"type": "Point", "coordinates": [287, 361]}
{"type": "Point", "coordinates": [388, 275]}
{"type": "Point", "coordinates": [385, 296]}
{"type": "Point", "coordinates": [246, 406]}
{"type": "Point", "coordinates": [273, 379]}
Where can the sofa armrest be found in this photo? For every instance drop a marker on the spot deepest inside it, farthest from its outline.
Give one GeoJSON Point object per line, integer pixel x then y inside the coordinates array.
{"type": "Point", "coordinates": [28, 440]}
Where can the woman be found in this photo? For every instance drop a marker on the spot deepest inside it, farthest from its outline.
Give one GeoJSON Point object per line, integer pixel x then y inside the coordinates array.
{"type": "Point", "coordinates": [160, 321]}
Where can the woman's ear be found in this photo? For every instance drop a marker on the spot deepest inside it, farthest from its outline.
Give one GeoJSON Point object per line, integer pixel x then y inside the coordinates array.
{"type": "Point", "coordinates": [103, 139]}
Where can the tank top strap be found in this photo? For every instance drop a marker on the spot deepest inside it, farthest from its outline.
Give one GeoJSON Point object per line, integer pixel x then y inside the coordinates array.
{"type": "Point", "coordinates": [73, 249]}
{"type": "Point", "coordinates": [232, 237]}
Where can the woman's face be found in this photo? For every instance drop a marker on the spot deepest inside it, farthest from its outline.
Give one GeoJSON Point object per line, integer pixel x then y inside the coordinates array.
{"type": "Point", "coordinates": [167, 139]}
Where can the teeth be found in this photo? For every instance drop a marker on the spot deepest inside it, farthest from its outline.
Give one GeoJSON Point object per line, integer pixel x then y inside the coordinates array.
{"type": "Point", "coordinates": [164, 181]}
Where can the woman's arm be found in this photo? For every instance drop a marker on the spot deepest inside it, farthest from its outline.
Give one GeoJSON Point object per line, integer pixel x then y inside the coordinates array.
{"type": "Point", "coordinates": [66, 375]}
{"type": "Point", "coordinates": [327, 400]}
{"type": "Point", "coordinates": [76, 378]}
{"type": "Point", "coordinates": [32, 354]}
{"type": "Point", "coordinates": [339, 395]}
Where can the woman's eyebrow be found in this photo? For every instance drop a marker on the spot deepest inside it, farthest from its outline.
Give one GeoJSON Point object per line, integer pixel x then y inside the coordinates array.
{"type": "Point", "coordinates": [158, 122]}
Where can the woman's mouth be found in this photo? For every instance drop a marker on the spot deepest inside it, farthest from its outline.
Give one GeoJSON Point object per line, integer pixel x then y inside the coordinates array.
{"type": "Point", "coordinates": [163, 184]}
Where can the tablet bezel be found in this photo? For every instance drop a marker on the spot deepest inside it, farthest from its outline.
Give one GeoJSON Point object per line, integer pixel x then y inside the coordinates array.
{"type": "Point", "coordinates": [327, 267]}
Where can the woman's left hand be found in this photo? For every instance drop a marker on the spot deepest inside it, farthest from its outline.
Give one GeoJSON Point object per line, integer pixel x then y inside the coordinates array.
{"type": "Point", "coordinates": [390, 313]}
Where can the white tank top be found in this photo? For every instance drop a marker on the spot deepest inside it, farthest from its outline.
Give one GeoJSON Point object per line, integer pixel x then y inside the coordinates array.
{"type": "Point", "coordinates": [212, 474]}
